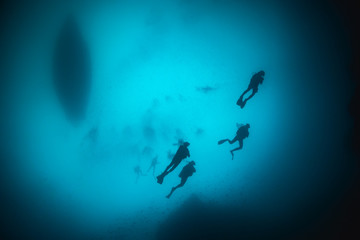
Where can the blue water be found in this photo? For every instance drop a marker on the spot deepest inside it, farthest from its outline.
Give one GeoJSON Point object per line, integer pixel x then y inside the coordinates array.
{"type": "Point", "coordinates": [149, 63]}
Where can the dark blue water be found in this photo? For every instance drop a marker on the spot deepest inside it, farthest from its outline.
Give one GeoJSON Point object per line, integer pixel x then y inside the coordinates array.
{"type": "Point", "coordinates": [168, 70]}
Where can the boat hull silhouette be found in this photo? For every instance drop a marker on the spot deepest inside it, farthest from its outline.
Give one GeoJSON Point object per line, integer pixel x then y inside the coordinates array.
{"type": "Point", "coordinates": [72, 71]}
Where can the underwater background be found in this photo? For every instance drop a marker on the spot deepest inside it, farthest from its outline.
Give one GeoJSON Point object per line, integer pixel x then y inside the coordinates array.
{"type": "Point", "coordinates": [156, 72]}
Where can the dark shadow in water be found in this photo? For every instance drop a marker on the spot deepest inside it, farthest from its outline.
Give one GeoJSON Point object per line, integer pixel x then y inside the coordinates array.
{"type": "Point", "coordinates": [179, 143]}
{"type": "Point", "coordinates": [241, 134]}
{"type": "Point", "coordinates": [255, 81]}
{"type": "Point", "coordinates": [196, 219]}
{"type": "Point", "coordinates": [153, 164]}
{"type": "Point", "coordinates": [170, 155]}
{"type": "Point", "coordinates": [185, 173]}
{"type": "Point", "coordinates": [138, 173]}
{"type": "Point", "coordinates": [147, 151]}
{"type": "Point", "coordinates": [149, 133]}
{"type": "Point", "coordinates": [199, 220]}
{"type": "Point", "coordinates": [91, 136]}
{"type": "Point", "coordinates": [354, 109]}
{"type": "Point", "coordinates": [206, 89]}
{"type": "Point", "coordinates": [181, 153]}
{"type": "Point", "coordinates": [199, 132]}
{"type": "Point", "coordinates": [72, 71]}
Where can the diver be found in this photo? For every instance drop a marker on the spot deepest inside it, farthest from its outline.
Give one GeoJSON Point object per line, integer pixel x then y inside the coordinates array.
{"type": "Point", "coordinates": [154, 162]}
{"type": "Point", "coordinates": [241, 134]}
{"type": "Point", "coordinates": [181, 153]}
{"type": "Point", "coordinates": [255, 81]}
{"type": "Point", "coordinates": [138, 172]}
{"type": "Point", "coordinates": [185, 173]}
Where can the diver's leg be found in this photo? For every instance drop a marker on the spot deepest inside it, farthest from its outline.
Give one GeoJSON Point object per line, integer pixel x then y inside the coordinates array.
{"type": "Point", "coordinates": [240, 100]}
{"type": "Point", "coordinates": [252, 94]}
{"type": "Point", "coordinates": [160, 178]}
{"type": "Point", "coordinates": [168, 167]}
{"type": "Point", "coordinates": [172, 190]}
{"type": "Point", "coordinates": [227, 140]}
{"type": "Point", "coordinates": [223, 140]}
{"type": "Point", "coordinates": [234, 140]}
{"type": "Point", "coordinates": [238, 148]}
{"type": "Point", "coordinates": [183, 181]}
{"type": "Point", "coordinates": [246, 91]}
{"type": "Point", "coordinates": [173, 167]}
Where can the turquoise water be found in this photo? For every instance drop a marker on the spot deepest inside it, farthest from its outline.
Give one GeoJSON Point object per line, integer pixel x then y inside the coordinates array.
{"type": "Point", "coordinates": [149, 64]}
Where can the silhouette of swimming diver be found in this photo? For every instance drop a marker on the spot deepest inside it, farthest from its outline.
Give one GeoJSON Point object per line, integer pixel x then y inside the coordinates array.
{"type": "Point", "coordinates": [154, 162]}
{"type": "Point", "coordinates": [138, 172]}
{"type": "Point", "coordinates": [185, 173]}
{"type": "Point", "coordinates": [241, 134]}
{"type": "Point", "coordinates": [255, 81]}
{"type": "Point", "coordinates": [181, 153]}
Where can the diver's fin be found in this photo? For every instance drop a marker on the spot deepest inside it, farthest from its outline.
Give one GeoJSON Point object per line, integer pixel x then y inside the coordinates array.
{"type": "Point", "coordinates": [160, 179]}
{"type": "Point", "coordinates": [242, 105]}
{"type": "Point", "coordinates": [239, 101]}
{"type": "Point", "coordinates": [222, 141]}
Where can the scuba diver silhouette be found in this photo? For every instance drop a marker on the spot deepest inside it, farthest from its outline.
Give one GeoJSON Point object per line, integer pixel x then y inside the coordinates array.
{"type": "Point", "coordinates": [255, 81]}
{"type": "Point", "coordinates": [181, 153]}
{"type": "Point", "coordinates": [138, 172]}
{"type": "Point", "coordinates": [241, 134]}
{"type": "Point", "coordinates": [185, 173]}
{"type": "Point", "coordinates": [154, 162]}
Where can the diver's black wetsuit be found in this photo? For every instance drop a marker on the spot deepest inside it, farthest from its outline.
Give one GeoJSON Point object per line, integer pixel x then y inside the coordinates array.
{"type": "Point", "coordinates": [255, 81]}
{"type": "Point", "coordinates": [182, 153]}
{"type": "Point", "coordinates": [185, 173]}
{"type": "Point", "coordinates": [241, 134]}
